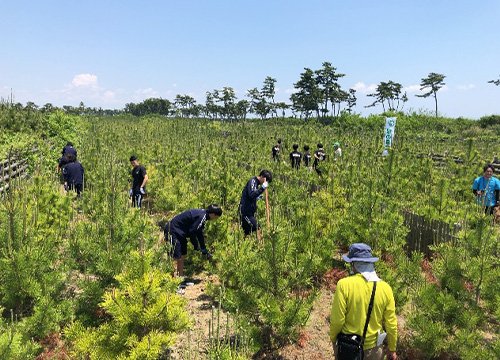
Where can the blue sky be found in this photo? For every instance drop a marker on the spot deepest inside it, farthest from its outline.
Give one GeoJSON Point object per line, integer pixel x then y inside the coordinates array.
{"type": "Point", "coordinates": [107, 53]}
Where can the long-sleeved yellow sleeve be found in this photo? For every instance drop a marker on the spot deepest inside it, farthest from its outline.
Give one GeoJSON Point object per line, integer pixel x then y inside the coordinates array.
{"type": "Point", "coordinates": [349, 310]}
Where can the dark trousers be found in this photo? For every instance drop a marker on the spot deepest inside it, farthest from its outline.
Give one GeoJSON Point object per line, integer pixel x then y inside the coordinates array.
{"type": "Point", "coordinates": [137, 198]}
{"type": "Point", "coordinates": [77, 187]}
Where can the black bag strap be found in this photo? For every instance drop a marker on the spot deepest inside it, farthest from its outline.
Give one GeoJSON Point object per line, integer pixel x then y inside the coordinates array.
{"type": "Point", "coordinates": [370, 307]}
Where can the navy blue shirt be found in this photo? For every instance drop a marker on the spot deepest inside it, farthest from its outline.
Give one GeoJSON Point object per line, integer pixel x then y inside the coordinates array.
{"type": "Point", "coordinates": [73, 173]}
{"type": "Point", "coordinates": [295, 158]}
{"type": "Point", "coordinates": [138, 175]}
{"type": "Point", "coordinates": [190, 224]}
{"type": "Point", "coordinates": [248, 202]}
{"type": "Point", "coordinates": [307, 158]}
{"type": "Point", "coordinates": [319, 155]}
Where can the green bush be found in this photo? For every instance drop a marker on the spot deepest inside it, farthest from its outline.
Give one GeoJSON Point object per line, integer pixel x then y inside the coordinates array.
{"type": "Point", "coordinates": [490, 120]}
{"type": "Point", "coordinates": [145, 316]}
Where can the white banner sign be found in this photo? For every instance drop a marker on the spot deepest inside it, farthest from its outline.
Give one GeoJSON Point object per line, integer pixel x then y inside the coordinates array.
{"type": "Point", "coordinates": [390, 128]}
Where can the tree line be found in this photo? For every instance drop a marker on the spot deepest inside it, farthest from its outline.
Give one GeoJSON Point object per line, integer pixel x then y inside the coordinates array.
{"type": "Point", "coordinates": [317, 93]}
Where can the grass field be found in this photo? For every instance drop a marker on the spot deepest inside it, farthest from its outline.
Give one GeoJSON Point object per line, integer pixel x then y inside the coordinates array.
{"type": "Point", "coordinates": [91, 276]}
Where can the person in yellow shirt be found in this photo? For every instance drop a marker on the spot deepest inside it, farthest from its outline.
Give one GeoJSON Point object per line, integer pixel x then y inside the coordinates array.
{"type": "Point", "coordinates": [350, 306]}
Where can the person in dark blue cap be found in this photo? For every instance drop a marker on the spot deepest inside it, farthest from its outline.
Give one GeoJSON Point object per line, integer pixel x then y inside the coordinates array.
{"type": "Point", "coordinates": [351, 302]}
{"type": "Point", "coordinates": [189, 224]}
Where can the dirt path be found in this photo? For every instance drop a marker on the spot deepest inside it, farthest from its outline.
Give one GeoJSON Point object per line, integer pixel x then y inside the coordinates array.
{"type": "Point", "coordinates": [193, 344]}
{"type": "Point", "coordinates": [313, 344]}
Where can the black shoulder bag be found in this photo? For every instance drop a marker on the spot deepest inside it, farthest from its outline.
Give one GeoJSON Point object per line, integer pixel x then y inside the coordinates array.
{"type": "Point", "coordinates": [350, 346]}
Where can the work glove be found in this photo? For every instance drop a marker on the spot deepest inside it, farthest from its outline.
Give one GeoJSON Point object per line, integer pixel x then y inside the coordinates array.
{"type": "Point", "coordinates": [260, 197]}
{"type": "Point", "coordinates": [206, 253]}
{"type": "Point", "coordinates": [131, 192]}
{"type": "Point", "coordinates": [142, 191]}
{"type": "Point", "coordinates": [265, 185]}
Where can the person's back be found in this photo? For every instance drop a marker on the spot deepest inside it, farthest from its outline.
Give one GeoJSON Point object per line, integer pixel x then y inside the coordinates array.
{"type": "Point", "coordinates": [187, 223]}
{"type": "Point", "coordinates": [351, 306]}
{"type": "Point", "coordinates": [295, 157]}
{"type": "Point", "coordinates": [354, 293]}
{"type": "Point", "coordinates": [307, 156]}
{"type": "Point", "coordinates": [73, 173]}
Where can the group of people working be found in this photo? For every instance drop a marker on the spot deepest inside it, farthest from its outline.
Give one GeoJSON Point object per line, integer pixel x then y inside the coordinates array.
{"type": "Point", "coordinates": [310, 160]}
{"type": "Point", "coordinates": [363, 309]}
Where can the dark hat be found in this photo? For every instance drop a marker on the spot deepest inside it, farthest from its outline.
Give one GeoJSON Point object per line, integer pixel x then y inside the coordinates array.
{"type": "Point", "coordinates": [359, 252]}
{"type": "Point", "coordinates": [133, 158]}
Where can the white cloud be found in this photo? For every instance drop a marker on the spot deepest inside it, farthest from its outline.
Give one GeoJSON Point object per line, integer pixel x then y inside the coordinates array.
{"type": "Point", "coordinates": [149, 92]}
{"type": "Point", "coordinates": [412, 89]}
{"type": "Point", "coordinates": [143, 94]}
{"type": "Point", "coordinates": [363, 88]}
{"type": "Point", "coordinates": [466, 87]}
{"type": "Point", "coordinates": [109, 95]}
{"type": "Point", "coordinates": [84, 80]}
{"type": "Point", "coordinates": [290, 91]}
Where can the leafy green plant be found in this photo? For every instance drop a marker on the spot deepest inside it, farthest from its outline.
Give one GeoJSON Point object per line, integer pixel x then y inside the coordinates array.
{"type": "Point", "coordinates": [145, 313]}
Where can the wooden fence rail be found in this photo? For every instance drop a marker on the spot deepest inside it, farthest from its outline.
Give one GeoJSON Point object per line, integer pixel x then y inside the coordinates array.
{"type": "Point", "coordinates": [11, 169]}
{"type": "Point", "coordinates": [424, 233]}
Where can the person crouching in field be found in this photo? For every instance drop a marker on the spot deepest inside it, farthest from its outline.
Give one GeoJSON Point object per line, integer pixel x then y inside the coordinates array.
{"type": "Point", "coordinates": [363, 305]}
{"type": "Point", "coordinates": [73, 173]}
{"type": "Point", "coordinates": [487, 190]}
{"type": "Point", "coordinates": [248, 202]}
{"type": "Point", "coordinates": [189, 224]}
{"type": "Point", "coordinates": [139, 181]}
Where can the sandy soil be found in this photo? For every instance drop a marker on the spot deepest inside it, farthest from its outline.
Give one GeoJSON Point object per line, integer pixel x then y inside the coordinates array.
{"type": "Point", "coordinates": [313, 344]}
{"type": "Point", "coordinates": [194, 343]}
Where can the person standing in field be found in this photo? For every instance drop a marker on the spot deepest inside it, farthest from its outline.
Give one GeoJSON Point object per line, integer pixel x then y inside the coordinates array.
{"type": "Point", "coordinates": [486, 188]}
{"type": "Point", "coordinates": [73, 174]}
{"type": "Point", "coordinates": [139, 181]}
{"type": "Point", "coordinates": [350, 308]}
{"type": "Point", "coordinates": [276, 150]}
{"type": "Point", "coordinates": [295, 157]}
{"type": "Point", "coordinates": [307, 156]}
{"type": "Point", "coordinates": [319, 156]}
{"type": "Point", "coordinates": [337, 151]}
{"type": "Point", "coordinates": [248, 202]}
{"type": "Point", "coordinates": [189, 224]}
